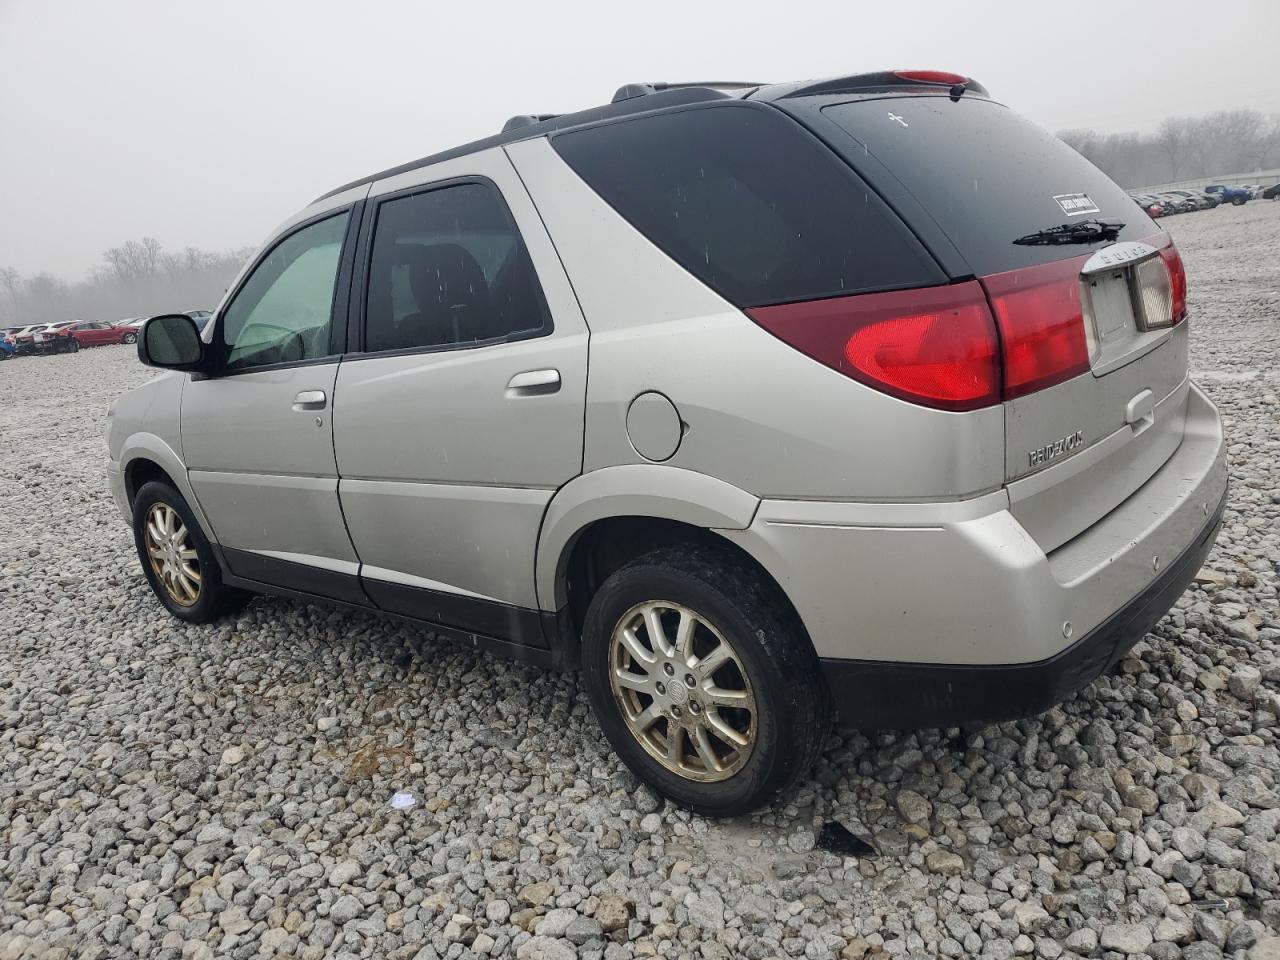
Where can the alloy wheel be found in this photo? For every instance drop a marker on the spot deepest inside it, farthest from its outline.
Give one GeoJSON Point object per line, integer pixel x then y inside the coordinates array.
{"type": "Point", "coordinates": [172, 554]}
{"type": "Point", "coordinates": [682, 691]}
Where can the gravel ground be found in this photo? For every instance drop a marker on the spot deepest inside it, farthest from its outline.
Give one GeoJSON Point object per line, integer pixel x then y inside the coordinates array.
{"type": "Point", "coordinates": [225, 791]}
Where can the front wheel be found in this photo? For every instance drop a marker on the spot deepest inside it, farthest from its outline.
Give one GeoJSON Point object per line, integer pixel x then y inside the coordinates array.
{"type": "Point", "coordinates": [129, 338]}
{"type": "Point", "coordinates": [703, 679]}
{"type": "Point", "coordinates": [176, 557]}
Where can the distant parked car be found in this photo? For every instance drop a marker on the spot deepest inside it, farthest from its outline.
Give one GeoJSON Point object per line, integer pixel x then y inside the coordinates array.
{"type": "Point", "coordinates": [1150, 205]}
{"type": "Point", "coordinates": [201, 317]}
{"type": "Point", "coordinates": [96, 333]}
{"type": "Point", "coordinates": [1272, 192]}
{"type": "Point", "coordinates": [7, 348]}
{"type": "Point", "coordinates": [1232, 195]}
{"type": "Point", "coordinates": [1202, 200]}
{"type": "Point", "coordinates": [1173, 203]}
{"type": "Point", "coordinates": [55, 338]}
{"type": "Point", "coordinates": [24, 338]}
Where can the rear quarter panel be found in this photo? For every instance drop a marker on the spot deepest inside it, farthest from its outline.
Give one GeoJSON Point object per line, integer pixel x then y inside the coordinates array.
{"type": "Point", "coordinates": [756, 413]}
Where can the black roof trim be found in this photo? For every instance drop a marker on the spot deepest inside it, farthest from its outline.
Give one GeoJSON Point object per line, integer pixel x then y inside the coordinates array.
{"type": "Point", "coordinates": [629, 91]}
{"type": "Point", "coordinates": [655, 101]}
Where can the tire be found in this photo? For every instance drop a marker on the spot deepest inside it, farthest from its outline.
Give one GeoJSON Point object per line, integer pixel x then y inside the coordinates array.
{"type": "Point", "coordinates": [773, 667]}
{"type": "Point", "coordinates": [73, 345]}
{"type": "Point", "coordinates": [212, 598]}
{"type": "Point", "coordinates": [129, 338]}
{"type": "Point", "coordinates": [1237, 202]}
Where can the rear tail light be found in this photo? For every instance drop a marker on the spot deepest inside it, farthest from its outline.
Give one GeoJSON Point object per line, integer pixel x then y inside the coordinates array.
{"type": "Point", "coordinates": [1177, 282]}
{"type": "Point", "coordinates": [971, 344]}
{"type": "Point", "coordinates": [935, 346]}
{"type": "Point", "coordinates": [1037, 311]}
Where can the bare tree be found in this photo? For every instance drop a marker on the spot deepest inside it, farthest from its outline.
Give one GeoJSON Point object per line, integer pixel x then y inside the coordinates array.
{"type": "Point", "coordinates": [12, 282]}
{"type": "Point", "coordinates": [1229, 141]}
{"type": "Point", "coordinates": [137, 278]}
{"type": "Point", "coordinates": [1172, 138]}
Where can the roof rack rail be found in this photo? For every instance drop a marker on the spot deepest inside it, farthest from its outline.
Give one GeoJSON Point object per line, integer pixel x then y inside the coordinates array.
{"type": "Point", "coordinates": [629, 91]}
{"type": "Point", "coordinates": [527, 120]}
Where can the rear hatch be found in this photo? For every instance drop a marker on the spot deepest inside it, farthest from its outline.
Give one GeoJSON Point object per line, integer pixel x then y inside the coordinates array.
{"type": "Point", "coordinates": [1095, 358]}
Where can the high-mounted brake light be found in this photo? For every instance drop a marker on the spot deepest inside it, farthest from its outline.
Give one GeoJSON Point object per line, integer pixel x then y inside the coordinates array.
{"type": "Point", "coordinates": [1037, 310]}
{"type": "Point", "coordinates": [931, 76]}
{"type": "Point", "coordinates": [935, 346]}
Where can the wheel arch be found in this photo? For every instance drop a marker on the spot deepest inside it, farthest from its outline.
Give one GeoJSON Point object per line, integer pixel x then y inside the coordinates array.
{"type": "Point", "coordinates": [632, 490]}
{"type": "Point", "coordinates": [604, 519]}
{"type": "Point", "coordinates": [147, 457]}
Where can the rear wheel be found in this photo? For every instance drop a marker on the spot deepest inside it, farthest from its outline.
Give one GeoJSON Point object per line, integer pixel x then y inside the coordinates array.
{"type": "Point", "coordinates": [703, 679]}
{"type": "Point", "coordinates": [176, 557]}
{"type": "Point", "coordinates": [129, 338]}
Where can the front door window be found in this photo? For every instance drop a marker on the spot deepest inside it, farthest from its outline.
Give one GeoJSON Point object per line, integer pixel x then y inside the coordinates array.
{"type": "Point", "coordinates": [284, 312]}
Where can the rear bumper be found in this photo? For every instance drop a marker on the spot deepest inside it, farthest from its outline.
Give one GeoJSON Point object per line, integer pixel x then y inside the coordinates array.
{"type": "Point", "coordinates": [886, 695]}
{"type": "Point", "coordinates": [933, 613]}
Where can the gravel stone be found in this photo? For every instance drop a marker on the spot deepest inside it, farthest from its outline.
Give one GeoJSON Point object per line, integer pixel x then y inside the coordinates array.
{"type": "Point", "coordinates": [1126, 937]}
{"type": "Point", "coordinates": [913, 807]}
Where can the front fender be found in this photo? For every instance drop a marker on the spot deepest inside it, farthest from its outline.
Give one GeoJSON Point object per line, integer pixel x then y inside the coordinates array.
{"type": "Point", "coordinates": [631, 490]}
{"type": "Point", "coordinates": [148, 446]}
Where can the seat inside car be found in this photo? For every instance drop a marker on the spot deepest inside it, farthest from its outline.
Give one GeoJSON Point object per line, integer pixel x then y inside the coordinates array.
{"type": "Point", "coordinates": [430, 295]}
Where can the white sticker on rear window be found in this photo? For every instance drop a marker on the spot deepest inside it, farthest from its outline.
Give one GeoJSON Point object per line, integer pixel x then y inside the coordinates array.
{"type": "Point", "coordinates": [1076, 203]}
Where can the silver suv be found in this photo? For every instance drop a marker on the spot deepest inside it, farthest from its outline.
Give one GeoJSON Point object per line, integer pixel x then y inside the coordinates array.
{"type": "Point", "coordinates": [766, 406]}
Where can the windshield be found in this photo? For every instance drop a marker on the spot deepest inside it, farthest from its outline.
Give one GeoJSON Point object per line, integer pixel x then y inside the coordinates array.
{"type": "Point", "coordinates": [987, 176]}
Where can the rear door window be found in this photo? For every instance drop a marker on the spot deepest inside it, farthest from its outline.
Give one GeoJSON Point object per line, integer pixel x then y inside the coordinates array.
{"type": "Point", "coordinates": [986, 175]}
{"type": "Point", "coordinates": [750, 203]}
{"type": "Point", "coordinates": [448, 268]}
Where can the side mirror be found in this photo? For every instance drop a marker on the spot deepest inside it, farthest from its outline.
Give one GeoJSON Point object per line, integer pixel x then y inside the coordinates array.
{"type": "Point", "coordinates": [171, 341]}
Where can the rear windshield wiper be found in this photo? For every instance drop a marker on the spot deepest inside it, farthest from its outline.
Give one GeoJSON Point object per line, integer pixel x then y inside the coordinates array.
{"type": "Point", "coordinates": [1082, 231]}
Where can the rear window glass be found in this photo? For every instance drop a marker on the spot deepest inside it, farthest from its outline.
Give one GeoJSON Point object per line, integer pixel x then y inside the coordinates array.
{"type": "Point", "coordinates": [987, 176]}
{"type": "Point", "coordinates": [750, 204]}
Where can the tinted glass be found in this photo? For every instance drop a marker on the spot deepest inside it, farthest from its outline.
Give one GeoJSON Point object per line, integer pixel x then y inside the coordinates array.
{"type": "Point", "coordinates": [748, 202]}
{"type": "Point", "coordinates": [448, 267]}
{"type": "Point", "coordinates": [284, 310]}
{"type": "Point", "coordinates": [986, 175]}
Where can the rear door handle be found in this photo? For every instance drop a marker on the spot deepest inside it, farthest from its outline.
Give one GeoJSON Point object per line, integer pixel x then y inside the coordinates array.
{"type": "Point", "coordinates": [533, 383]}
{"type": "Point", "coordinates": [309, 400]}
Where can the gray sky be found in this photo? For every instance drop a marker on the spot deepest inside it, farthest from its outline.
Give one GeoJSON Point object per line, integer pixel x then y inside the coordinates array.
{"type": "Point", "coordinates": [206, 122]}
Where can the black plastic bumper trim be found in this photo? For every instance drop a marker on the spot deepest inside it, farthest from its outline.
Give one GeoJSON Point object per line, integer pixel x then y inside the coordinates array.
{"type": "Point", "coordinates": [885, 695]}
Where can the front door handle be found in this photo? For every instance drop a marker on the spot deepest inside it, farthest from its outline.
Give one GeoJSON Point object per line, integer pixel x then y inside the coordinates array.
{"type": "Point", "coordinates": [309, 400]}
{"type": "Point", "coordinates": [533, 383]}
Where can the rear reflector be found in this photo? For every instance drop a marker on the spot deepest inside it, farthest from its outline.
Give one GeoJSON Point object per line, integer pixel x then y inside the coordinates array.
{"type": "Point", "coordinates": [935, 346]}
{"type": "Point", "coordinates": [1037, 310]}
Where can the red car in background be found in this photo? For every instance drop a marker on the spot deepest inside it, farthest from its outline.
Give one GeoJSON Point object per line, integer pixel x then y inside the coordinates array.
{"type": "Point", "coordinates": [95, 333]}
